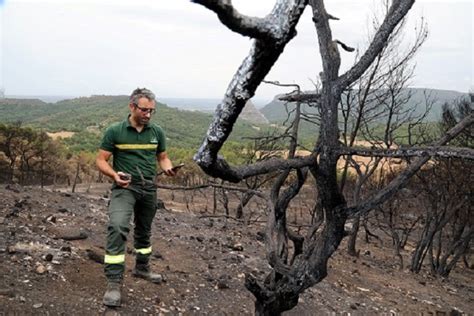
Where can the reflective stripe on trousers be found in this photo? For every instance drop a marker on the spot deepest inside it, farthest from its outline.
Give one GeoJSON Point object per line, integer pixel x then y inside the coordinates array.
{"type": "Point", "coordinates": [143, 251]}
{"type": "Point", "coordinates": [117, 259]}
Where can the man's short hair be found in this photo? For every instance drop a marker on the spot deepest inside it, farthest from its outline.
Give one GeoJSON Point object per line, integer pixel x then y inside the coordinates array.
{"type": "Point", "coordinates": [139, 93]}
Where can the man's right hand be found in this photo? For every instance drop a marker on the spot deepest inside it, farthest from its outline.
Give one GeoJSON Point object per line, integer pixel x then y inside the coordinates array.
{"type": "Point", "coordinates": [122, 179]}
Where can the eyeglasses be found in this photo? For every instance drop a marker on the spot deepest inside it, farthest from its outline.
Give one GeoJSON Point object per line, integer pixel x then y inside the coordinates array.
{"type": "Point", "coordinates": [145, 110]}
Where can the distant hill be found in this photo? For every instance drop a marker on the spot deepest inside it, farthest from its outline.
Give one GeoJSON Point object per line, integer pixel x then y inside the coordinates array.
{"type": "Point", "coordinates": [206, 105]}
{"type": "Point", "coordinates": [275, 111]}
{"type": "Point", "coordinates": [91, 115]}
{"type": "Point", "coordinates": [21, 101]}
{"type": "Point", "coordinates": [191, 104]}
{"type": "Point", "coordinates": [44, 98]}
{"type": "Point", "coordinates": [252, 115]}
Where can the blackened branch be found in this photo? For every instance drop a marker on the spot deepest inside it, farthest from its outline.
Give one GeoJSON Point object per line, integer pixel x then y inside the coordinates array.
{"type": "Point", "coordinates": [402, 179]}
{"type": "Point", "coordinates": [220, 169]}
{"type": "Point", "coordinates": [253, 27]}
{"type": "Point", "coordinates": [302, 97]}
{"type": "Point", "coordinates": [345, 47]}
{"type": "Point", "coordinates": [263, 54]}
{"type": "Point", "coordinates": [395, 14]}
{"type": "Point", "coordinates": [428, 151]}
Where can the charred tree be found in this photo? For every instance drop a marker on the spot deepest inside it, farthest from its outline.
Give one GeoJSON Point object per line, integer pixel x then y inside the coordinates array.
{"type": "Point", "coordinates": [289, 278]}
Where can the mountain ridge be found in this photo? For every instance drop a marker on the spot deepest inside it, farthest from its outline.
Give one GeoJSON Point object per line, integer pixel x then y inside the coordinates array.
{"type": "Point", "coordinates": [275, 110]}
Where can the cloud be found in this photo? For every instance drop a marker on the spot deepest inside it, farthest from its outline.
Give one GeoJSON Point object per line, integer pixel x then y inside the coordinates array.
{"type": "Point", "coordinates": [182, 50]}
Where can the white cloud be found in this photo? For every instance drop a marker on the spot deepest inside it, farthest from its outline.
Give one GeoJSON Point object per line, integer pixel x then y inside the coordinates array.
{"type": "Point", "coordinates": [181, 49]}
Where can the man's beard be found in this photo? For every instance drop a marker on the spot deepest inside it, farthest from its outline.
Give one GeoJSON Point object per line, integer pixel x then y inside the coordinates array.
{"type": "Point", "coordinates": [144, 121]}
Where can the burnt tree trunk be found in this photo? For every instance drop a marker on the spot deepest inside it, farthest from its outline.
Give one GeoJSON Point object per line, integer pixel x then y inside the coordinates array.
{"type": "Point", "coordinates": [351, 242]}
{"type": "Point", "coordinates": [289, 277]}
{"type": "Point", "coordinates": [247, 196]}
{"type": "Point", "coordinates": [397, 248]}
{"type": "Point", "coordinates": [76, 177]}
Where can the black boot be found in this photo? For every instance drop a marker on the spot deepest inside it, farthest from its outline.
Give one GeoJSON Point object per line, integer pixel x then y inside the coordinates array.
{"type": "Point", "coordinates": [113, 295]}
{"type": "Point", "coordinates": [142, 270]}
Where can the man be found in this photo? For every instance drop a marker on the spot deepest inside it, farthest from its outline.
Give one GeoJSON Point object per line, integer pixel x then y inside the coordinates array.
{"type": "Point", "coordinates": [136, 145]}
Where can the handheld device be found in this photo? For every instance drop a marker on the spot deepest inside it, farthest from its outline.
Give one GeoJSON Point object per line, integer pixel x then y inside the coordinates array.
{"type": "Point", "coordinates": [125, 176]}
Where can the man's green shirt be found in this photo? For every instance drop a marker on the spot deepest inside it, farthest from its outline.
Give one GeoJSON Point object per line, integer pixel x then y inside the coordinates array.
{"type": "Point", "coordinates": [133, 151]}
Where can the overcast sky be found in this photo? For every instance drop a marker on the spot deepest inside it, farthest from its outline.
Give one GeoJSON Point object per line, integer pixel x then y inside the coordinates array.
{"type": "Point", "coordinates": [180, 49]}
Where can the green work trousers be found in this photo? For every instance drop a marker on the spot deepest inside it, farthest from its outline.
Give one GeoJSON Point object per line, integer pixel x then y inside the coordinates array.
{"type": "Point", "coordinates": [141, 202]}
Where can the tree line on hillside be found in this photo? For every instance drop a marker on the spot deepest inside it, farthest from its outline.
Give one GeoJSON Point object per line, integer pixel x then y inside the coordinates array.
{"type": "Point", "coordinates": [31, 157]}
{"type": "Point", "coordinates": [27, 156]}
{"type": "Point", "coordinates": [88, 117]}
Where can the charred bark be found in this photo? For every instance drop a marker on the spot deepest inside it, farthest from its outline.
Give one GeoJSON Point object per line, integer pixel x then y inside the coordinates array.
{"type": "Point", "coordinates": [291, 276]}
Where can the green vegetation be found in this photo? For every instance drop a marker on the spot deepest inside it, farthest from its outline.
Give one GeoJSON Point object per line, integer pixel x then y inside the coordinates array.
{"type": "Point", "coordinates": [29, 156]}
{"type": "Point", "coordinates": [82, 142]}
{"type": "Point", "coordinates": [89, 116]}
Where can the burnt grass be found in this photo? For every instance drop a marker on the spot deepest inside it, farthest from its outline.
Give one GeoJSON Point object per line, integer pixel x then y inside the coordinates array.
{"type": "Point", "coordinates": [51, 245]}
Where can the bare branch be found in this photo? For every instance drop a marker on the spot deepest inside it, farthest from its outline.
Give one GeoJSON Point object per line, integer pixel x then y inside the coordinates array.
{"type": "Point", "coordinates": [304, 97]}
{"type": "Point", "coordinates": [428, 151]}
{"type": "Point", "coordinates": [345, 47]}
{"type": "Point", "coordinates": [328, 48]}
{"type": "Point", "coordinates": [397, 183]}
{"type": "Point", "coordinates": [211, 185]}
{"type": "Point", "coordinates": [222, 170]}
{"type": "Point", "coordinates": [277, 83]}
{"type": "Point", "coordinates": [222, 216]}
{"type": "Point", "coordinates": [253, 27]}
{"type": "Point", "coordinates": [262, 56]}
{"type": "Point", "coordinates": [395, 14]}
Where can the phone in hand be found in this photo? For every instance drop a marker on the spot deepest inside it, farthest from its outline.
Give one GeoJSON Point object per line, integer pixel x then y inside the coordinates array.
{"type": "Point", "coordinates": [125, 176]}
